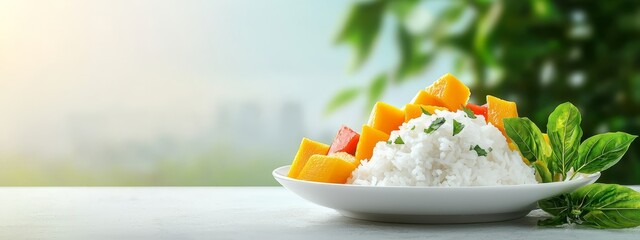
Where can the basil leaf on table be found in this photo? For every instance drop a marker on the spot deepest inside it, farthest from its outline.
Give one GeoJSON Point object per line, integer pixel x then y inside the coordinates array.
{"type": "Point", "coordinates": [565, 134]}
{"type": "Point", "coordinates": [554, 221]}
{"type": "Point", "coordinates": [597, 205]}
{"type": "Point", "coordinates": [606, 206]}
{"type": "Point", "coordinates": [600, 152]}
{"type": "Point", "coordinates": [556, 206]}
{"type": "Point", "coordinates": [528, 137]}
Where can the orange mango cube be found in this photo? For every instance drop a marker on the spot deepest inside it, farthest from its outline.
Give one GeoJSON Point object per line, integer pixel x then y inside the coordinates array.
{"type": "Point", "coordinates": [329, 169]}
{"type": "Point", "coordinates": [385, 117]}
{"type": "Point", "coordinates": [497, 110]}
{"type": "Point", "coordinates": [412, 111]}
{"type": "Point", "coordinates": [368, 140]}
{"type": "Point", "coordinates": [450, 91]}
{"type": "Point", "coordinates": [344, 156]}
{"type": "Point", "coordinates": [307, 148]}
{"type": "Point", "coordinates": [423, 98]}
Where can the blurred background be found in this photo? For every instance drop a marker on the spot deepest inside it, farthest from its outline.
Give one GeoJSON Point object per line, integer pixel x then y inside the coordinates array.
{"type": "Point", "coordinates": [221, 92]}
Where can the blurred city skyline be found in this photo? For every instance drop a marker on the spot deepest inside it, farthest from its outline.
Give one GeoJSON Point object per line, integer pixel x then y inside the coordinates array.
{"type": "Point", "coordinates": [127, 85]}
{"type": "Point", "coordinates": [79, 75]}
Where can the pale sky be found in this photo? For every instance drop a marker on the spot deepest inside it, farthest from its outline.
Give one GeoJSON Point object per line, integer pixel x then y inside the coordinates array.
{"type": "Point", "coordinates": [134, 70]}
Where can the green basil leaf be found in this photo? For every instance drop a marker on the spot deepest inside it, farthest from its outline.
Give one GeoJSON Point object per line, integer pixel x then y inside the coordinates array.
{"type": "Point", "coordinates": [481, 152]}
{"type": "Point", "coordinates": [457, 127]}
{"type": "Point", "coordinates": [556, 206]}
{"type": "Point", "coordinates": [565, 135]}
{"type": "Point", "coordinates": [435, 125]}
{"type": "Point", "coordinates": [469, 113]}
{"type": "Point", "coordinates": [554, 221]}
{"type": "Point", "coordinates": [600, 152]}
{"type": "Point", "coordinates": [424, 111]}
{"type": "Point", "coordinates": [607, 206]}
{"type": "Point", "coordinates": [542, 171]}
{"type": "Point", "coordinates": [528, 137]}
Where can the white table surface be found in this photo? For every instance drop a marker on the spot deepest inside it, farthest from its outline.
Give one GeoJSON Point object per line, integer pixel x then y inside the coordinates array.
{"type": "Point", "coordinates": [228, 213]}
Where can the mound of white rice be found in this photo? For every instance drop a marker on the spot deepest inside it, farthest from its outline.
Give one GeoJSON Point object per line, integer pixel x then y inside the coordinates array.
{"type": "Point", "coordinates": [441, 159]}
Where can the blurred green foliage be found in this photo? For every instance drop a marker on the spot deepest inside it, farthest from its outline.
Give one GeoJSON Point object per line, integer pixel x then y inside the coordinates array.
{"type": "Point", "coordinates": [539, 53]}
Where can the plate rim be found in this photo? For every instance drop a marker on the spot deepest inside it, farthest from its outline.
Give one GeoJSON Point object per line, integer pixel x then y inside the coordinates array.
{"type": "Point", "coordinates": [277, 175]}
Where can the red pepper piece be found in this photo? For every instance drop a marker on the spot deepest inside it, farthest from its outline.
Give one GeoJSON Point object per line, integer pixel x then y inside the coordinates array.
{"type": "Point", "coordinates": [478, 110]}
{"type": "Point", "coordinates": [346, 141]}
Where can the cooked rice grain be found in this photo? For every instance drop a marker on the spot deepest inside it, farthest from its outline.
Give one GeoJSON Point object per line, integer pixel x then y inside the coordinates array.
{"type": "Point", "coordinates": [441, 159]}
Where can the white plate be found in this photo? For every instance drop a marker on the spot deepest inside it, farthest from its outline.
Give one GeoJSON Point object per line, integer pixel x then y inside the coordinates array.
{"type": "Point", "coordinates": [429, 204]}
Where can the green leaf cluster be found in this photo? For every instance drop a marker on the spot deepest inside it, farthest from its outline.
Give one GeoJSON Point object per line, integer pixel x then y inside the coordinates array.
{"type": "Point", "coordinates": [563, 157]}
{"type": "Point", "coordinates": [564, 154]}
